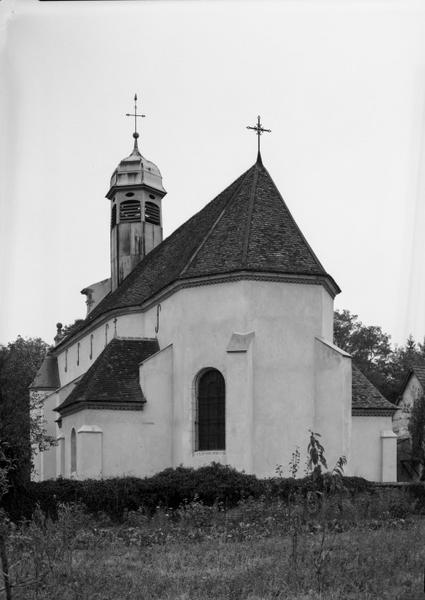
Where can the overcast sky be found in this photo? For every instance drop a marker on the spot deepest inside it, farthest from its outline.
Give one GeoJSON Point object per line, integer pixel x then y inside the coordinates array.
{"type": "Point", "coordinates": [341, 84]}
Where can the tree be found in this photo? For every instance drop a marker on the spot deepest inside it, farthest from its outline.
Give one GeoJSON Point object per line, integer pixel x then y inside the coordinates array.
{"type": "Point", "coordinates": [20, 423]}
{"type": "Point", "coordinates": [68, 330]}
{"type": "Point", "coordinates": [369, 346]}
{"type": "Point", "coordinates": [417, 433]}
{"type": "Point", "coordinates": [371, 349]}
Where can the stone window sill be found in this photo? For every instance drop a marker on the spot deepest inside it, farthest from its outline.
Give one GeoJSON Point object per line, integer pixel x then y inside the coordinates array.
{"type": "Point", "coordinates": [209, 452]}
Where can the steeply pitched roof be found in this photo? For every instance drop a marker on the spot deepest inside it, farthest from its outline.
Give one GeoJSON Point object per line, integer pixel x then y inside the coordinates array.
{"type": "Point", "coordinates": [113, 379]}
{"type": "Point", "coordinates": [247, 227]}
{"type": "Point", "coordinates": [365, 396]}
{"type": "Point", "coordinates": [417, 369]}
{"type": "Point", "coordinates": [47, 376]}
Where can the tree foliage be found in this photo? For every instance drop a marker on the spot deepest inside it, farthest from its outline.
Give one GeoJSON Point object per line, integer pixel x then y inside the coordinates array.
{"type": "Point", "coordinates": [417, 431]}
{"type": "Point", "coordinates": [68, 330]}
{"type": "Point", "coordinates": [21, 424]}
{"type": "Point", "coordinates": [384, 365]}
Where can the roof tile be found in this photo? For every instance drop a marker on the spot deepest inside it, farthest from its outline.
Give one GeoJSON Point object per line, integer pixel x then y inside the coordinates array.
{"type": "Point", "coordinates": [365, 395]}
{"type": "Point", "coordinates": [114, 376]}
{"type": "Point", "coordinates": [247, 227]}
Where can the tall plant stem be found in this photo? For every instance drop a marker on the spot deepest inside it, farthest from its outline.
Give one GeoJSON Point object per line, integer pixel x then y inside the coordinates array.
{"type": "Point", "coordinates": [5, 567]}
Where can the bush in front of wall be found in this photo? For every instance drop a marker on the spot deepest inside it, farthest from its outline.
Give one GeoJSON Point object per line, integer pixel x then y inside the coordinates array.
{"type": "Point", "coordinates": [213, 484]}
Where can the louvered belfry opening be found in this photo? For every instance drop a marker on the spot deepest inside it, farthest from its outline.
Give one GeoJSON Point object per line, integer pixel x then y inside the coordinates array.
{"type": "Point", "coordinates": [152, 214]}
{"type": "Point", "coordinates": [130, 211]}
{"type": "Point", "coordinates": [211, 425]}
{"type": "Point", "coordinates": [113, 216]}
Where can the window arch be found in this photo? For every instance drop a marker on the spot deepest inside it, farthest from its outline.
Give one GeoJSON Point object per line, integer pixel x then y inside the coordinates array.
{"type": "Point", "coordinates": [210, 411]}
{"type": "Point", "coordinates": [73, 451]}
{"type": "Point", "coordinates": [130, 211]}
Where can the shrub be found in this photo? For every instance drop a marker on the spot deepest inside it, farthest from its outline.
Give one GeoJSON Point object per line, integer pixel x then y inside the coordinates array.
{"type": "Point", "coordinates": [211, 485]}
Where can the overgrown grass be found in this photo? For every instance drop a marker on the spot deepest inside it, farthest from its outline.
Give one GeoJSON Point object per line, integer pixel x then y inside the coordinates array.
{"type": "Point", "coordinates": [332, 548]}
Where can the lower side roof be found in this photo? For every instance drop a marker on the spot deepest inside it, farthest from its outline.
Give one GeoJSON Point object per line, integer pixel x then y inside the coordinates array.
{"type": "Point", "coordinates": [113, 379]}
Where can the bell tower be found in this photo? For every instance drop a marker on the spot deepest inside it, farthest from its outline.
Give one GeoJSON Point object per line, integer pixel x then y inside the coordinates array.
{"type": "Point", "coordinates": [136, 194]}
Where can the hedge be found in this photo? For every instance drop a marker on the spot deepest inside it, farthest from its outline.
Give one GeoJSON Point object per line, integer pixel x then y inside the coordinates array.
{"type": "Point", "coordinates": [169, 489]}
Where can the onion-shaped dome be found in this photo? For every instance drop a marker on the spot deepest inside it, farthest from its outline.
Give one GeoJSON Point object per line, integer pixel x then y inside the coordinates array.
{"type": "Point", "coordinates": [136, 170]}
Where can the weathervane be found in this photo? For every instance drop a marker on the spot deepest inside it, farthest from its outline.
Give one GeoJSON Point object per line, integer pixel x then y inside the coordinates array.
{"type": "Point", "coordinates": [135, 115]}
{"type": "Point", "coordinates": [259, 129]}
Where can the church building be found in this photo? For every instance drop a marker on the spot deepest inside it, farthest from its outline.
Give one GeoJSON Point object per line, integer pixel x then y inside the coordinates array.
{"type": "Point", "coordinates": [212, 345]}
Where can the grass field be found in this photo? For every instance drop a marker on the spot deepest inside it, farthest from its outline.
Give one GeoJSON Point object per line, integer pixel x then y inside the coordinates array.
{"type": "Point", "coordinates": [257, 551]}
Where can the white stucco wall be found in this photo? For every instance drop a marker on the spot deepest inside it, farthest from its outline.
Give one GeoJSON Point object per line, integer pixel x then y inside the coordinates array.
{"type": "Point", "coordinates": [367, 445]}
{"type": "Point", "coordinates": [157, 382]}
{"type": "Point", "coordinates": [124, 445]}
{"type": "Point", "coordinates": [333, 400]}
{"type": "Point", "coordinates": [271, 388]}
{"type": "Point", "coordinates": [81, 354]}
{"type": "Point", "coordinates": [285, 319]}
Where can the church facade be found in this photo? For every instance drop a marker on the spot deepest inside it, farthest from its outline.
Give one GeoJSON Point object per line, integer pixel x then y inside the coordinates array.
{"type": "Point", "coordinates": [213, 345]}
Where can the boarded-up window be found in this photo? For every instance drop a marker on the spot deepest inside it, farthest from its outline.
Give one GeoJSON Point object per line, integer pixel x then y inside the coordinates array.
{"type": "Point", "coordinates": [73, 451]}
{"type": "Point", "coordinates": [130, 211]}
{"type": "Point", "coordinates": [152, 214]}
{"type": "Point", "coordinates": [210, 422]}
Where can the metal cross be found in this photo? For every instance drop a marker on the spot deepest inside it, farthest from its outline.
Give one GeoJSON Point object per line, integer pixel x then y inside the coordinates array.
{"type": "Point", "coordinates": [259, 129]}
{"type": "Point", "coordinates": [135, 115]}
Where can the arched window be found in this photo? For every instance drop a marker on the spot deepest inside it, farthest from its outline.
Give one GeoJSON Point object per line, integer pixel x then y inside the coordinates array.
{"type": "Point", "coordinates": [130, 211]}
{"type": "Point", "coordinates": [210, 411]}
{"type": "Point", "coordinates": [78, 354]}
{"type": "Point", "coordinates": [91, 346]}
{"type": "Point", "coordinates": [152, 214]}
{"type": "Point", "coordinates": [66, 361]}
{"type": "Point", "coordinates": [73, 451]}
{"type": "Point", "coordinates": [106, 333]}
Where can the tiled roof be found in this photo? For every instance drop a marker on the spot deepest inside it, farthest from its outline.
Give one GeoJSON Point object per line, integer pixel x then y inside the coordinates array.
{"type": "Point", "coordinates": [47, 376]}
{"type": "Point", "coordinates": [247, 227]}
{"type": "Point", "coordinates": [419, 370]}
{"type": "Point", "coordinates": [365, 396]}
{"type": "Point", "coordinates": [113, 379]}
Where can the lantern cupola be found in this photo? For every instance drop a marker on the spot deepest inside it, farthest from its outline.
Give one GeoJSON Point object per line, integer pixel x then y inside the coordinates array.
{"type": "Point", "coordinates": [136, 193]}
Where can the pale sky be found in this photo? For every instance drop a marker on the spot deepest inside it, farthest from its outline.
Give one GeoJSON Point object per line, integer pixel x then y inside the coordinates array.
{"type": "Point", "coordinates": [341, 84]}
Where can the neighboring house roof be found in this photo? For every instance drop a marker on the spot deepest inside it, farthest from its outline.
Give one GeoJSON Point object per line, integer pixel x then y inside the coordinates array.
{"type": "Point", "coordinates": [47, 376]}
{"type": "Point", "coordinates": [417, 369]}
{"type": "Point", "coordinates": [113, 379]}
{"type": "Point", "coordinates": [366, 398]}
{"type": "Point", "coordinates": [247, 228]}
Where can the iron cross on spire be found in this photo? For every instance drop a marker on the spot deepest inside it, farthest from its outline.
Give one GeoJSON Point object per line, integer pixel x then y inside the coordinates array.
{"type": "Point", "coordinates": [135, 115]}
{"type": "Point", "coordinates": [259, 129]}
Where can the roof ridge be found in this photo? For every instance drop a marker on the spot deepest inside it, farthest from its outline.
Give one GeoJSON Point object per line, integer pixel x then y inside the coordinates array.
{"type": "Point", "coordinates": [249, 217]}
{"type": "Point", "coordinates": [295, 223]}
{"type": "Point", "coordinates": [213, 226]}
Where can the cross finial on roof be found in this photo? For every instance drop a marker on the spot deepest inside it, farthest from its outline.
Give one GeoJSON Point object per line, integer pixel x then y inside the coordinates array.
{"type": "Point", "coordinates": [135, 115]}
{"type": "Point", "coordinates": [259, 129]}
